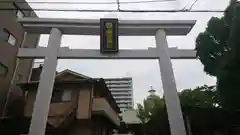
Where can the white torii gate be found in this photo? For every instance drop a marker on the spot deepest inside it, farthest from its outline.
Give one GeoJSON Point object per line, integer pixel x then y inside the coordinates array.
{"type": "Point", "coordinates": [56, 27]}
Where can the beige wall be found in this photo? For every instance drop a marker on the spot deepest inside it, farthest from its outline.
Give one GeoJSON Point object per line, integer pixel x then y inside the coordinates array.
{"type": "Point", "coordinates": [84, 104]}
{"type": "Point", "coordinates": [58, 112]}
{"type": "Point", "coordinates": [101, 105]}
{"type": "Point", "coordinates": [55, 108]}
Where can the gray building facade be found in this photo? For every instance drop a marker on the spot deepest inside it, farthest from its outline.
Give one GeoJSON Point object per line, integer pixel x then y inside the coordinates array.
{"type": "Point", "coordinates": [122, 91]}
{"type": "Point", "coordinates": [12, 37]}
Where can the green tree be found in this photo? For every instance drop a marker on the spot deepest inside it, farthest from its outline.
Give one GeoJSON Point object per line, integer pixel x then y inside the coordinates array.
{"type": "Point", "coordinates": [218, 49]}
{"type": "Point", "coordinates": [153, 112]}
{"type": "Point", "coordinates": [149, 107]}
{"type": "Point", "coordinates": [201, 97]}
{"type": "Point", "coordinates": [150, 113]}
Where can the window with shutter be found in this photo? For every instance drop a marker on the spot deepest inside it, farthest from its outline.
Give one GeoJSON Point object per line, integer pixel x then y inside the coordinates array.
{"type": "Point", "coordinates": [67, 94]}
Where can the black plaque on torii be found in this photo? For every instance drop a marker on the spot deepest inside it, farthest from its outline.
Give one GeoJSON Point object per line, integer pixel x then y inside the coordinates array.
{"type": "Point", "coordinates": [109, 35]}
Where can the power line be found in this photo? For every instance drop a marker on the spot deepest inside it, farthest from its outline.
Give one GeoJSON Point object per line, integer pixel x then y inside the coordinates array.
{"type": "Point", "coordinates": [130, 11]}
{"type": "Point", "coordinates": [98, 3]}
{"type": "Point", "coordinates": [174, 11]}
{"type": "Point", "coordinates": [102, 10]}
{"type": "Point", "coordinates": [193, 4]}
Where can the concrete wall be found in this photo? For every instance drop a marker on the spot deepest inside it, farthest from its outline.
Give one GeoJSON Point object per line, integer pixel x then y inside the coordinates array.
{"type": "Point", "coordinates": [8, 52]}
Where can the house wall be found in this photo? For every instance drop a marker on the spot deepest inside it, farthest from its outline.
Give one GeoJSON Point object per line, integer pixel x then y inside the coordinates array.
{"type": "Point", "coordinates": [100, 105]}
{"type": "Point", "coordinates": [55, 108]}
{"type": "Point", "coordinates": [67, 77]}
{"type": "Point", "coordinates": [81, 129]}
{"type": "Point", "coordinates": [84, 104]}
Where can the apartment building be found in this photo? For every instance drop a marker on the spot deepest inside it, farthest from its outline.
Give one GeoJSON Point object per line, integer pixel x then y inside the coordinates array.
{"type": "Point", "coordinates": [122, 91]}
{"type": "Point", "coordinates": [12, 37]}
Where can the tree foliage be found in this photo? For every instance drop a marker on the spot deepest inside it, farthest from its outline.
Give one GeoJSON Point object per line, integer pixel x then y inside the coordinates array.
{"type": "Point", "coordinates": [201, 97]}
{"type": "Point", "coordinates": [153, 112]}
{"type": "Point", "coordinates": [218, 49]}
{"type": "Point", "coordinates": [149, 107]}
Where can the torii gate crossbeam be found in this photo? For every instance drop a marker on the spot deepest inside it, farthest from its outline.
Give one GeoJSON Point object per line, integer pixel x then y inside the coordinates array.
{"type": "Point", "coordinates": [57, 27]}
{"type": "Point", "coordinates": [66, 53]}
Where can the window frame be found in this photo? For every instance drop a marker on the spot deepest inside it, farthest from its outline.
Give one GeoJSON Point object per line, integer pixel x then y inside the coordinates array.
{"type": "Point", "coordinates": [56, 98]}
{"type": "Point", "coordinates": [12, 37]}
{"type": "Point", "coordinates": [9, 34]}
{"type": "Point", "coordinates": [18, 10]}
{"type": "Point", "coordinates": [59, 98]}
{"type": "Point", "coordinates": [69, 96]}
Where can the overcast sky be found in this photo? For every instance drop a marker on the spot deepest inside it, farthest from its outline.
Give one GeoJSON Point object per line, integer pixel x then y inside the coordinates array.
{"type": "Point", "coordinates": [188, 73]}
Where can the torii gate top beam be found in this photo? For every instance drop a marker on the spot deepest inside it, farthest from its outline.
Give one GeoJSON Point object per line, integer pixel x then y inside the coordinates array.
{"type": "Point", "coordinates": [92, 26]}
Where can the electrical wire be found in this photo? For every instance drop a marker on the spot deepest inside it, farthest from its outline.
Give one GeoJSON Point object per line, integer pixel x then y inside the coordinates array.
{"type": "Point", "coordinates": [193, 4]}
{"type": "Point", "coordinates": [102, 10]}
{"type": "Point", "coordinates": [130, 11]}
{"type": "Point", "coordinates": [98, 3]}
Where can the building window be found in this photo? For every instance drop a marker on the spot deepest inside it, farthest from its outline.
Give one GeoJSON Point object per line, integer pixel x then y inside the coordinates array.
{"type": "Point", "coordinates": [66, 96]}
{"type": "Point", "coordinates": [3, 70]}
{"type": "Point", "coordinates": [19, 12]}
{"type": "Point", "coordinates": [61, 95]}
{"type": "Point", "coordinates": [8, 37]}
{"type": "Point", "coordinates": [57, 95]}
{"type": "Point", "coordinates": [12, 40]}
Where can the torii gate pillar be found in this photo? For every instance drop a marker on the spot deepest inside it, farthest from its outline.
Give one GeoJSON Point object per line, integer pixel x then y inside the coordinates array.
{"type": "Point", "coordinates": [57, 27]}
{"type": "Point", "coordinates": [45, 87]}
{"type": "Point", "coordinates": [174, 112]}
